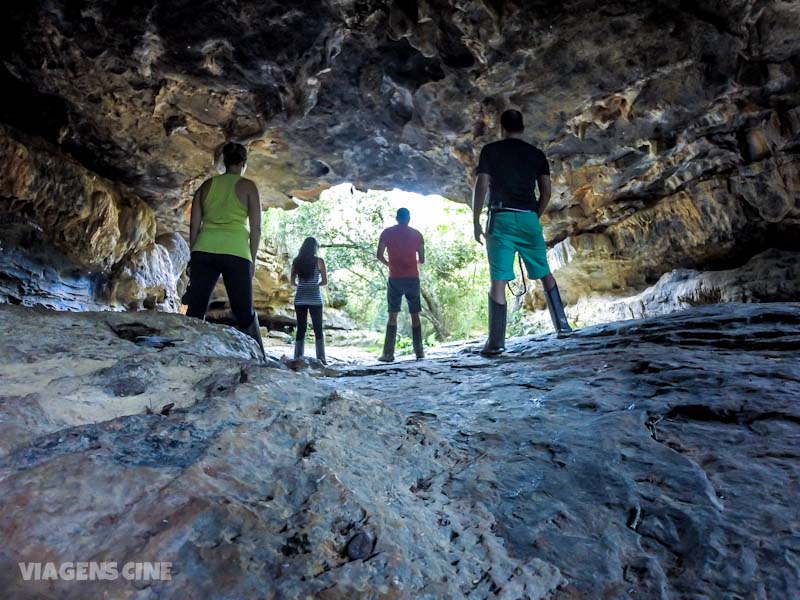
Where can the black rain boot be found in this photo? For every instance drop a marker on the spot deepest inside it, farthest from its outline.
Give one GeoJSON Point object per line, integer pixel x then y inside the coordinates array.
{"type": "Point", "coordinates": [299, 347]}
{"type": "Point", "coordinates": [416, 336]}
{"type": "Point", "coordinates": [557, 314]}
{"type": "Point", "coordinates": [254, 331]}
{"type": "Point", "coordinates": [496, 342]}
{"type": "Point", "coordinates": [319, 346]}
{"type": "Point", "coordinates": [388, 344]}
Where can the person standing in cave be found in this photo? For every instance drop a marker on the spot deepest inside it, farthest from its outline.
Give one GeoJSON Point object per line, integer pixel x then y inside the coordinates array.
{"type": "Point", "coordinates": [406, 248]}
{"type": "Point", "coordinates": [308, 274]}
{"type": "Point", "coordinates": [508, 172]}
{"type": "Point", "coordinates": [224, 235]}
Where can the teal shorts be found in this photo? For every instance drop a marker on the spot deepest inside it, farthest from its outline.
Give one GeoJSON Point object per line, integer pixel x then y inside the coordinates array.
{"type": "Point", "coordinates": [514, 232]}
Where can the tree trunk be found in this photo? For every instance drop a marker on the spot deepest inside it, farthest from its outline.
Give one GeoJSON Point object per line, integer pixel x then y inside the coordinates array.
{"type": "Point", "coordinates": [433, 314]}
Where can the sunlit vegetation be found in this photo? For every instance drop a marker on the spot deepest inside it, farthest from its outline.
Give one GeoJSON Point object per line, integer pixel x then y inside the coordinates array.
{"type": "Point", "coordinates": [347, 224]}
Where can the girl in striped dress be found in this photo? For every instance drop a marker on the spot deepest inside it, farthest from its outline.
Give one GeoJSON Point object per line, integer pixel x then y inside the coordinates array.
{"type": "Point", "coordinates": [308, 274]}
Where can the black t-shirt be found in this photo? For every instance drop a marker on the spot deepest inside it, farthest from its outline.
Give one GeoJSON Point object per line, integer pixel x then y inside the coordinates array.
{"type": "Point", "coordinates": [514, 166]}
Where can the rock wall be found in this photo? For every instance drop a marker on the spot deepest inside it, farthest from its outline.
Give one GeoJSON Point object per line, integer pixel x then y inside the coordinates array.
{"type": "Point", "coordinates": [771, 276]}
{"type": "Point", "coordinates": [65, 229]}
{"type": "Point", "coordinates": [672, 127]}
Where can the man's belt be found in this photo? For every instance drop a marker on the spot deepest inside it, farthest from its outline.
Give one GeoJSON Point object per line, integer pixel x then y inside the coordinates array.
{"type": "Point", "coordinates": [499, 209]}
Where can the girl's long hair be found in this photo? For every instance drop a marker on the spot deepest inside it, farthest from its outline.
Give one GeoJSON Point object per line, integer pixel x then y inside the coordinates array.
{"type": "Point", "coordinates": [306, 259]}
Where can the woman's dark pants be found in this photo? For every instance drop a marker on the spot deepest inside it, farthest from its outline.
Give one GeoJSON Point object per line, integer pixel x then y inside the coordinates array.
{"type": "Point", "coordinates": [302, 311]}
{"type": "Point", "coordinates": [204, 273]}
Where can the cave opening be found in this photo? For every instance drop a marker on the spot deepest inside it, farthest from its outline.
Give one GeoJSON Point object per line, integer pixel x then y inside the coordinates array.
{"type": "Point", "coordinates": [347, 223]}
{"type": "Point", "coordinates": [678, 154]}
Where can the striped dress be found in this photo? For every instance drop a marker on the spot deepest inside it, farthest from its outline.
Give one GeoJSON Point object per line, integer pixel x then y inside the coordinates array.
{"type": "Point", "coordinates": [308, 292]}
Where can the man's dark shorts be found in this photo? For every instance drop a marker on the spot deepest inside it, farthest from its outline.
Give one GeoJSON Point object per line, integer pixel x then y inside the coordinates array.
{"type": "Point", "coordinates": [403, 286]}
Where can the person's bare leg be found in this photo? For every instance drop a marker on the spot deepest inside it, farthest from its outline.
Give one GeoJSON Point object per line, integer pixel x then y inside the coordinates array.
{"type": "Point", "coordinates": [497, 291]}
{"type": "Point", "coordinates": [548, 282]}
{"type": "Point", "coordinates": [393, 319]}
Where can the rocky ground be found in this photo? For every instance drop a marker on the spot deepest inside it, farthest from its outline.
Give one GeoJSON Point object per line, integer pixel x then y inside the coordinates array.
{"type": "Point", "coordinates": [645, 459]}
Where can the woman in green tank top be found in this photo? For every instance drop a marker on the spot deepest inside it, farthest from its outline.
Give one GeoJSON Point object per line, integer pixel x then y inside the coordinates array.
{"type": "Point", "coordinates": [224, 234]}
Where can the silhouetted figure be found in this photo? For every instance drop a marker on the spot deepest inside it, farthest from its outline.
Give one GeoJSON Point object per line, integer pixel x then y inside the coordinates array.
{"type": "Point", "coordinates": [509, 172]}
{"type": "Point", "coordinates": [406, 249]}
{"type": "Point", "coordinates": [308, 274]}
{"type": "Point", "coordinates": [225, 231]}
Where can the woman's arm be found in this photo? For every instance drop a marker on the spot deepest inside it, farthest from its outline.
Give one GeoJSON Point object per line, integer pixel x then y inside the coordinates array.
{"type": "Point", "coordinates": [323, 272]}
{"type": "Point", "coordinates": [196, 219]}
{"type": "Point", "coordinates": [293, 276]}
{"type": "Point", "coordinates": [254, 216]}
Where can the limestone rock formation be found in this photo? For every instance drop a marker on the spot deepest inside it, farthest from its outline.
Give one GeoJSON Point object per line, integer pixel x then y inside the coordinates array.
{"type": "Point", "coordinates": [33, 272]}
{"type": "Point", "coordinates": [63, 370]}
{"type": "Point", "coordinates": [644, 459]}
{"type": "Point", "coordinates": [59, 217]}
{"type": "Point", "coordinates": [256, 482]}
{"type": "Point", "coordinates": [672, 126]}
{"type": "Point", "coordinates": [773, 275]}
{"type": "Point", "coordinates": [653, 458]}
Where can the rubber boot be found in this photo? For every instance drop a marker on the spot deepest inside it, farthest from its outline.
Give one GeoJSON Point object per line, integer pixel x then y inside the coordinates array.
{"type": "Point", "coordinates": [254, 331]}
{"type": "Point", "coordinates": [557, 314]}
{"type": "Point", "coordinates": [496, 342]}
{"type": "Point", "coordinates": [299, 347]}
{"type": "Point", "coordinates": [319, 346]}
{"type": "Point", "coordinates": [416, 336]}
{"type": "Point", "coordinates": [388, 344]}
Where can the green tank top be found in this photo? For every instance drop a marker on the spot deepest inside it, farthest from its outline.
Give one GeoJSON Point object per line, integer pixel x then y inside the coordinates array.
{"type": "Point", "coordinates": [225, 228]}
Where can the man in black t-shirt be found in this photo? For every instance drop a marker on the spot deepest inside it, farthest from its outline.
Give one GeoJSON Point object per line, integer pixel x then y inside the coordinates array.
{"type": "Point", "coordinates": [509, 172]}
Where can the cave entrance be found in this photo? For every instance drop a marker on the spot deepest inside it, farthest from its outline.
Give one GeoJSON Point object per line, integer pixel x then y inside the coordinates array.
{"type": "Point", "coordinates": [347, 223]}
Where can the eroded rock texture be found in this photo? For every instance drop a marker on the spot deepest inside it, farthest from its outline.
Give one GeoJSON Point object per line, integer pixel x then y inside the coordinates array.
{"type": "Point", "coordinates": [647, 459]}
{"type": "Point", "coordinates": [257, 482]}
{"type": "Point", "coordinates": [672, 126]}
{"type": "Point", "coordinates": [55, 214]}
{"type": "Point", "coordinates": [773, 275]}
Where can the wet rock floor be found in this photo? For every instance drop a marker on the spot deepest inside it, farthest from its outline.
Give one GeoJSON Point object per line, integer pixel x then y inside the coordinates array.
{"type": "Point", "coordinates": [647, 459]}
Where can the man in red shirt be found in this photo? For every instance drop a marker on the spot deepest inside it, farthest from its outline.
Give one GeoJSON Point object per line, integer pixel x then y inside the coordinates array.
{"type": "Point", "coordinates": [406, 250]}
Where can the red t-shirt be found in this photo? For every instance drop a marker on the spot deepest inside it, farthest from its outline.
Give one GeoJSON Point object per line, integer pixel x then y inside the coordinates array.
{"type": "Point", "coordinates": [402, 243]}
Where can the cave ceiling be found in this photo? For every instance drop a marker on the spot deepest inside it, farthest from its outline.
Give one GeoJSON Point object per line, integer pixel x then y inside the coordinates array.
{"type": "Point", "coordinates": [642, 106]}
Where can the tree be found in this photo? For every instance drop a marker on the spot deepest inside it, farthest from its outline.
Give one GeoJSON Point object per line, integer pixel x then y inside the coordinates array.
{"type": "Point", "coordinates": [347, 223]}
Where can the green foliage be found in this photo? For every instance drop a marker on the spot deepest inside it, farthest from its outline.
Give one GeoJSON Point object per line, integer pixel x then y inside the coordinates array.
{"type": "Point", "coordinates": [347, 223]}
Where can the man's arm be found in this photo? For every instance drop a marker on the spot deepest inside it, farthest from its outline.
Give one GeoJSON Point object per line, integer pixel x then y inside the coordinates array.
{"type": "Point", "coordinates": [254, 216]}
{"type": "Point", "coordinates": [421, 251]}
{"type": "Point", "coordinates": [544, 193]}
{"type": "Point", "coordinates": [479, 192]}
{"type": "Point", "coordinates": [196, 219]}
{"type": "Point", "coordinates": [381, 254]}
